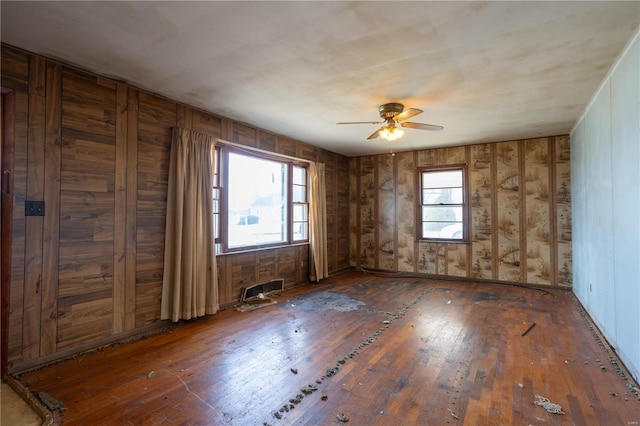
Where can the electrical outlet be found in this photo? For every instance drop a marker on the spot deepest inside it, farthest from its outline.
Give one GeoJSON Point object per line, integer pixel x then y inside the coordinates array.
{"type": "Point", "coordinates": [34, 208]}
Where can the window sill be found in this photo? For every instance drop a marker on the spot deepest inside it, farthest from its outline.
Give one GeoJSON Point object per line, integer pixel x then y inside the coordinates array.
{"type": "Point", "coordinates": [443, 241]}
{"type": "Point", "coordinates": [256, 249]}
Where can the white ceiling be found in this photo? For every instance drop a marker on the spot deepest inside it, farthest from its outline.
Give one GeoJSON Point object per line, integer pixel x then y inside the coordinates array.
{"type": "Point", "coordinates": [486, 71]}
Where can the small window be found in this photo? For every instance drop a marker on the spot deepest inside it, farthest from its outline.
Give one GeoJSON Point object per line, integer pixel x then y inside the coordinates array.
{"type": "Point", "coordinates": [300, 204]}
{"type": "Point", "coordinates": [216, 197]}
{"type": "Point", "coordinates": [443, 206]}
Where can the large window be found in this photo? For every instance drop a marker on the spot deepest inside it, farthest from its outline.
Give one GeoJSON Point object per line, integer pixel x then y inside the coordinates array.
{"type": "Point", "coordinates": [262, 201]}
{"type": "Point", "coordinates": [443, 205]}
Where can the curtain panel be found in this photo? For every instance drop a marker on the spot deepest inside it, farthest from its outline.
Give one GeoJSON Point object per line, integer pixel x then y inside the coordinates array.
{"type": "Point", "coordinates": [319, 263]}
{"type": "Point", "coordinates": [190, 279]}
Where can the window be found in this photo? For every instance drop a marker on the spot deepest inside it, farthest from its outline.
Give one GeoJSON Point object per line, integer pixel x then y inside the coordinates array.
{"type": "Point", "coordinates": [300, 204]}
{"type": "Point", "coordinates": [216, 197]}
{"type": "Point", "coordinates": [443, 203]}
{"type": "Point", "coordinates": [262, 201]}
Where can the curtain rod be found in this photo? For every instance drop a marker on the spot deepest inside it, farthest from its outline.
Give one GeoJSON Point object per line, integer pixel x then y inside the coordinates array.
{"type": "Point", "coordinates": [250, 148]}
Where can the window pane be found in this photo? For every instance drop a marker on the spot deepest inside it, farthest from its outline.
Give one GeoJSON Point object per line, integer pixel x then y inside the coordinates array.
{"type": "Point", "coordinates": [442, 196]}
{"type": "Point", "coordinates": [442, 213]}
{"type": "Point", "coordinates": [300, 231]}
{"type": "Point", "coordinates": [444, 179]}
{"type": "Point", "coordinates": [216, 213]}
{"type": "Point", "coordinates": [449, 230]}
{"type": "Point", "coordinates": [257, 205]}
{"type": "Point", "coordinates": [299, 175]}
{"type": "Point", "coordinates": [299, 212]}
{"type": "Point", "coordinates": [299, 194]}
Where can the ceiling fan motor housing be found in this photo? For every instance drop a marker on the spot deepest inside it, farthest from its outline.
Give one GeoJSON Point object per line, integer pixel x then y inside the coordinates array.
{"type": "Point", "coordinates": [390, 110]}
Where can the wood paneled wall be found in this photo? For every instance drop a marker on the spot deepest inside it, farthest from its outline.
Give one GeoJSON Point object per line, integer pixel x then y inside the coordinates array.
{"type": "Point", "coordinates": [97, 152]}
{"type": "Point", "coordinates": [520, 213]}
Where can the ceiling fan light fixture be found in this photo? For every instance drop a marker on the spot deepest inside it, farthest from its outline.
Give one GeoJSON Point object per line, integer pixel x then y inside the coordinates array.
{"type": "Point", "coordinates": [393, 115]}
{"type": "Point", "coordinates": [391, 133]}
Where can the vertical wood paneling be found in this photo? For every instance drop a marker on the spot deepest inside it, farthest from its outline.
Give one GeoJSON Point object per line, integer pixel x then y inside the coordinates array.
{"type": "Point", "coordinates": [302, 262]}
{"type": "Point", "coordinates": [330, 200]}
{"type": "Point", "coordinates": [562, 198]}
{"type": "Point", "coordinates": [354, 211]}
{"type": "Point", "coordinates": [15, 69]}
{"type": "Point", "coordinates": [86, 207]}
{"type": "Point", "coordinates": [97, 152]}
{"type": "Point", "coordinates": [156, 117]}
{"type": "Point", "coordinates": [287, 264]}
{"type": "Point", "coordinates": [267, 141]}
{"type": "Point", "coordinates": [514, 213]}
{"type": "Point", "coordinates": [457, 260]}
{"type": "Point", "coordinates": [34, 224]}
{"type": "Point", "coordinates": [18, 238]}
{"type": "Point", "coordinates": [508, 197]}
{"type": "Point", "coordinates": [368, 196]}
{"type": "Point", "coordinates": [377, 212]}
{"type": "Point", "coordinates": [51, 231]}
{"type": "Point", "coordinates": [120, 211]}
{"type": "Point", "coordinates": [243, 272]}
{"type": "Point", "coordinates": [245, 135]}
{"type": "Point", "coordinates": [481, 194]}
{"type": "Point", "coordinates": [184, 116]}
{"type": "Point", "coordinates": [286, 146]}
{"type": "Point", "coordinates": [225, 276]}
{"type": "Point", "coordinates": [387, 208]}
{"type": "Point", "coordinates": [208, 123]}
{"type": "Point", "coordinates": [309, 152]}
{"type": "Point", "coordinates": [405, 200]}
{"type": "Point", "coordinates": [131, 251]}
{"type": "Point", "coordinates": [494, 211]}
{"type": "Point", "coordinates": [538, 234]}
{"type": "Point", "coordinates": [342, 214]}
{"type": "Point", "coordinates": [266, 261]}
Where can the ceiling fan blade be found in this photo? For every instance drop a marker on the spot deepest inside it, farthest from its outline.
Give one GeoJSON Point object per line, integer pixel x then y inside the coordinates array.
{"type": "Point", "coordinates": [407, 113]}
{"type": "Point", "coordinates": [421, 126]}
{"type": "Point", "coordinates": [375, 134]}
{"type": "Point", "coordinates": [361, 122]}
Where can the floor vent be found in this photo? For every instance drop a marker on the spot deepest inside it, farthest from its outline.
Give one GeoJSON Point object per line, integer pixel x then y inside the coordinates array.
{"type": "Point", "coordinates": [252, 294]}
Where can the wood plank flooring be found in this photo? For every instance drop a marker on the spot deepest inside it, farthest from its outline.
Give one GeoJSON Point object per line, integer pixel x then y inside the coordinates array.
{"type": "Point", "coordinates": [376, 350]}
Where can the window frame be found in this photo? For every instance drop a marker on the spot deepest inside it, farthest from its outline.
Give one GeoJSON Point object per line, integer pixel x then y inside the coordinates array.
{"type": "Point", "coordinates": [222, 170]}
{"type": "Point", "coordinates": [465, 205]}
{"type": "Point", "coordinates": [295, 203]}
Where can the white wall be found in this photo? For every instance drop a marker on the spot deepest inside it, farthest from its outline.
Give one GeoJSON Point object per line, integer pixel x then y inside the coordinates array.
{"type": "Point", "coordinates": [605, 184]}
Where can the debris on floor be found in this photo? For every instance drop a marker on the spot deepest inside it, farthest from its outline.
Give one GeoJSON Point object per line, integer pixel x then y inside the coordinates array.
{"type": "Point", "coordinates": [50, 402]}
{"type": "Point", "coordinates": [548, 405]}
{"type": "Point", "coordinates": [332, 371]}
{"type": "Point", "coordinates": [528, 329]}
{"type": "Point", "coordinates": [341, 417]}
{"type": "Point", "coordinates": [453, 414]}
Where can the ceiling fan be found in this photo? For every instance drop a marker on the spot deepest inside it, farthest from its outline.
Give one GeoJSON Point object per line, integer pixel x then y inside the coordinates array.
{"type": "Point", "coordinates": [393, 115]}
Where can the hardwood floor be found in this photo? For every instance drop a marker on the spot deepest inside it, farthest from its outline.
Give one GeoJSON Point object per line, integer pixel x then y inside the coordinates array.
{"type": "Point", "coordinates": [376, 350]}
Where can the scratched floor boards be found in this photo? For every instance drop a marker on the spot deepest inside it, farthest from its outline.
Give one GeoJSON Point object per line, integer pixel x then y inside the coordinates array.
{"type": "Point", "coordinates": [374, 350]}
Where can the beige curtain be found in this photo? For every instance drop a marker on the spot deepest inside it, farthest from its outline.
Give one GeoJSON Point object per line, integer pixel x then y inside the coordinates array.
{"type": "Point", "coordinates": [190, 281]}
{"type": "Point", "coordinates": [319, 266]}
